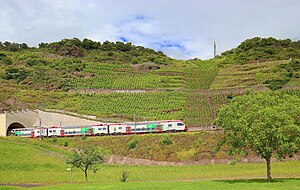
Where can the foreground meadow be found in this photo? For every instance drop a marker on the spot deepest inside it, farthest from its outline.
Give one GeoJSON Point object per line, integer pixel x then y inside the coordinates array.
{"type": "Point", "coordinates": [23, 163]}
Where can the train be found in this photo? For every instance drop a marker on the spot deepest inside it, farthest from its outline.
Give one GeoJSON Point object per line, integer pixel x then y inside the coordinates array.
{"type": "Point", "coordinates": [102, 129]}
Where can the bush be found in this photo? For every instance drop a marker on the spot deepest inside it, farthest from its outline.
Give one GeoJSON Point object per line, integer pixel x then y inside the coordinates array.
{"type": "Point", "coordinates": [166, 140]}
{"type": "Point", "coordinates": [15, 74]}
{"type": "Point", "coordinates": [33, 62]}
{"type": "Point", "coordinates": [197, 143]}
{"type": "Point", "coordinates": [276, 84]}
{"type": "Point", "coordinates": [54, 140]}
{"type": "Point", "coordinates": [132, 144]}
{"type": "Point", "coordinates": [110, 54]}
{"type": "Point", "coordinates": [134, 60]}
{"type": "Point", "coordinates": [66, 143]}
{"type": "Point", "coordinates": [6, 61]}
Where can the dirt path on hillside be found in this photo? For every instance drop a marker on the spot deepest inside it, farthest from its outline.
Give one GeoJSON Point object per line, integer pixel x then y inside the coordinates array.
{"type": "Point", "coordinates": [257, 88]}
{"type": "Point", "coordinates": [22, 185]}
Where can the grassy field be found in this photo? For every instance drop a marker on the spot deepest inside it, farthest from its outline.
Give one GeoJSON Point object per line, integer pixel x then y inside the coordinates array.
{"type": "Point", "coordinates": [33, 162]}
{"type": "Point", "coordinates": [292, 184]}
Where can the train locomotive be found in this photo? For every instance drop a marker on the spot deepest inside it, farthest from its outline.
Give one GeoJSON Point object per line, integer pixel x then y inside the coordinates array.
{"type": "Point", "coordinates": [103, 129]}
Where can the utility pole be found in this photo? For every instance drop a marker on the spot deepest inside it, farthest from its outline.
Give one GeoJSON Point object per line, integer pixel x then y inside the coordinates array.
{"type": "Point", "coordinates": [41, 130]}
{"type": "Point", "coordinates": [215, 48]}
{"type": "Point", "coordinates": [134, 123]}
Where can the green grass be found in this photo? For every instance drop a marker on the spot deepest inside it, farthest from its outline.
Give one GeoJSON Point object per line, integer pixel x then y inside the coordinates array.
{"type": "Point", "coordinates": [200, 185]}
{"type": "Point", "coordinates": [26, 161]}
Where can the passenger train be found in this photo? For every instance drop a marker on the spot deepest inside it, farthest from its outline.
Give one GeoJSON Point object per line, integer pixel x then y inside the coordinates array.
{"type": "Point", "coordinates": [103, 129]}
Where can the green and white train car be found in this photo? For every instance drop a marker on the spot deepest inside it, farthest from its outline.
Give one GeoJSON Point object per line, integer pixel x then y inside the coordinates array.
{"type": "Point", "coordinates": [104, 129]}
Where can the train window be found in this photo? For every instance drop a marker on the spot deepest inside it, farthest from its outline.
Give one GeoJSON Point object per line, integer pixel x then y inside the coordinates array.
{"type": "Point", "coordinates": [120, 127]}
{"type": "Point", "coordinates": [169, 125]}
{"type": "Point", "coordinates": [104, 128]}
{"type": "Point", "coordinates": [54, 131]}
{"type": "Point", "coordinates": [115, 129]}
{"type": "Point", "coordinates": [50, 131]}
{"type": "Point", "coordinates": [99, 128]}
{"type": "Point", "coordinates": [180, 124]}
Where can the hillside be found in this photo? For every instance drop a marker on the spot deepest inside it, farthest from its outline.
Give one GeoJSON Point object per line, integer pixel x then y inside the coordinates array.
{"type": "Point", "coordinates": [123, 82]}
{"type": "Point", "coordinates": [261, 49]}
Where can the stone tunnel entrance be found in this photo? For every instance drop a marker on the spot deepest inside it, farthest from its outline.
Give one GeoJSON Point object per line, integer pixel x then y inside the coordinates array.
{"type": "Point", "coordinates": [12, 126]}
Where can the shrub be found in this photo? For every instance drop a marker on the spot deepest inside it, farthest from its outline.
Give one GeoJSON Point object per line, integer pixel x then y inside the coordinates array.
{"type": "Point", "coordinates": [197, 143]}
{"type": "Point", "coordinates": [66, 143]}
{"type": "Point", "coordinates": [134, 60]}
{"type": "Point", "coordinates": [54, 140]}
{"type": "Point", "coordinates": [132, 144]}
{"type": "Point", "coordinates": [110, 54]}
{"type": "Point", "coordinates": [15, 74]}
{"type": "Point", "coordinates": [166, 140]}
{"type": "Point", "coordinates": [6, 61]}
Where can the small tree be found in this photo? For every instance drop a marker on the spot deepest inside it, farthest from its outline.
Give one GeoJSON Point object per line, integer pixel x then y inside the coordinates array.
{"type": "Point", "coordinates": [86, 159]}
{"type": "Point", "coordinates": [266, 124]}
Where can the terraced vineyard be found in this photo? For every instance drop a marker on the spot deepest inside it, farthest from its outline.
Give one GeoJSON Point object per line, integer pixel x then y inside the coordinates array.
{"type": "Point", "coordinates": [125, 76]}
{"type": "Point", "coordinates": [200, 74]}
{"type": "Point", "coordinates": [85, 80]}
{"type": "Point", "coordinates": [249, 75]}
{"type": "Point", "coordinates": [126, 106]}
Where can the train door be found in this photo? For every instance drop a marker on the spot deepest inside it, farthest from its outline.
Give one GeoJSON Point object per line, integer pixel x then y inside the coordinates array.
{"type": "Point", "coordinates": [32, 133]}
{"type": "Point", "coordinates": [62, 132]}
{"type": "Point", "coordinates": [169, 128]}
{"type": "Point", "coordinates": [158, 128]}
{"type": "Point", "coordinates": [90, 131]}
{"type": "Point", "coordinates": [128, 129]}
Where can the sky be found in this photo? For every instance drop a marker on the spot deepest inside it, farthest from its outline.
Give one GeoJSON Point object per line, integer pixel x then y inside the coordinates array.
{"type": "Point", "coordinates": [182, 29]}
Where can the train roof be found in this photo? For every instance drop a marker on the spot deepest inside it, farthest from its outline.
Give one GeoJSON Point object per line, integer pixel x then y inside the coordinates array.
{"type": "Point", "coordinates": [125, 123]}
{"type": "Point", "coordinates": [152, 122]}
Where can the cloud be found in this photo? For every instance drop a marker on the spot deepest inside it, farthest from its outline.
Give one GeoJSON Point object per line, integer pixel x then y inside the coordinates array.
{"type": "Point", "coordinates": [181, 29]}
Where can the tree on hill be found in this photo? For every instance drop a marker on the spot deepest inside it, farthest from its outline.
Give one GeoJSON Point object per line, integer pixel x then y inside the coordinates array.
{"type": "Point", "coordinates": [261, 49]}
{"type": "Point", "coordinates": [13, 47]}
{"type": "Point", "coordinates": [86, 158]}
{"type": "Point", "coordinates": [265, 124]}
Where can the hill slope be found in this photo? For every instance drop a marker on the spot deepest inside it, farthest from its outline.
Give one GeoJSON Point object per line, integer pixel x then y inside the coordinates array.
{"type": "Point", "coordinates": [123, 82]}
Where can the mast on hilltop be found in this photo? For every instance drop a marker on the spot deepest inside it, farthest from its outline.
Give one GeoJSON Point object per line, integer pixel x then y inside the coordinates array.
{"type": "Point", "coordinates": [215, 48]}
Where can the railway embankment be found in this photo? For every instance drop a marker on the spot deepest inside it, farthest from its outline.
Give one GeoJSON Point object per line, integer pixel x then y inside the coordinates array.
{"type": "Point", "coordinates": [151, 149]}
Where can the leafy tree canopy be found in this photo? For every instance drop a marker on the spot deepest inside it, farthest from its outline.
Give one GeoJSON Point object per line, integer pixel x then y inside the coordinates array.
{"type": "Point", "coordinates": [261, 49]}
{"type": "Point", "coordinates": [75, 47]}
{"type": "Point", "coordinates": [267, 124]}
{"type": "Point", "coordinates": [86, 158]}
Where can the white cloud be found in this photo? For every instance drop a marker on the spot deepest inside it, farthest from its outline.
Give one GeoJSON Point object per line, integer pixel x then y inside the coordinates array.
{"type": "Point", "coordinates": [181, 29]}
